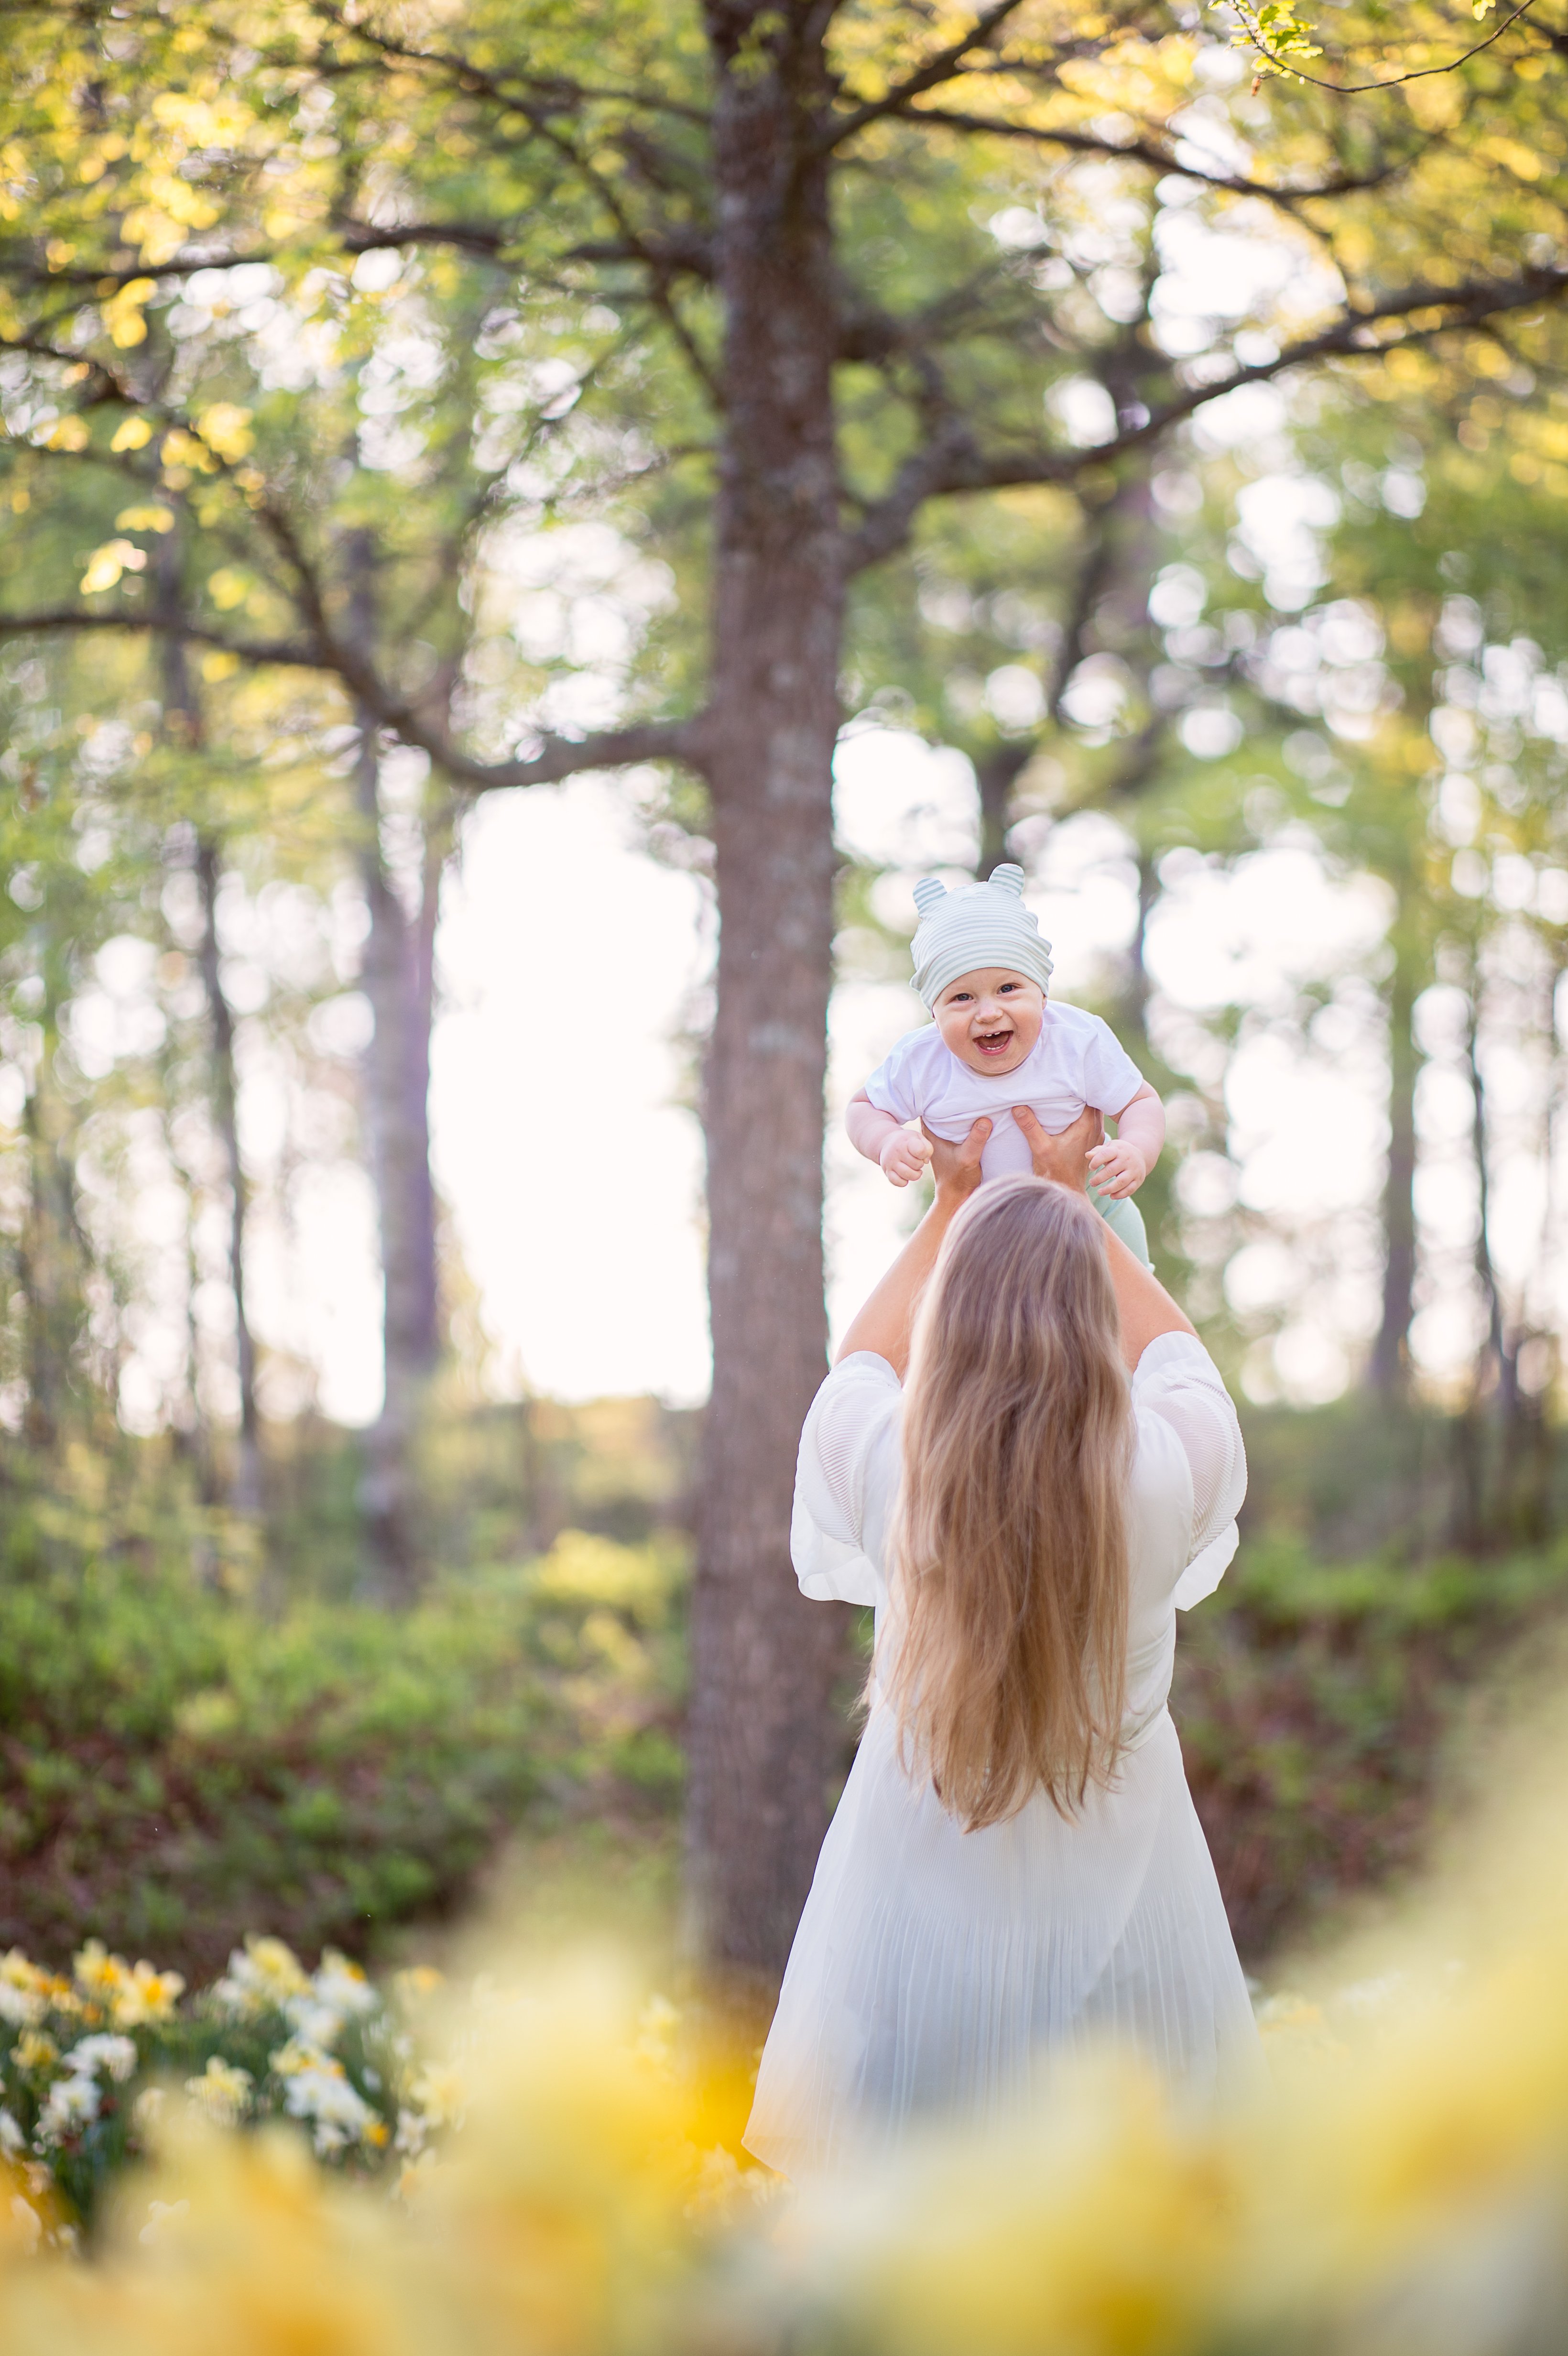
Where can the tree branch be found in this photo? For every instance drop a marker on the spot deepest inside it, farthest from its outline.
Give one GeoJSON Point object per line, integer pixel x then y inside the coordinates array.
{"type": "Point", "coordinates": [111, 386]}
{"type": "Point", "coordinates": [1094, 569]}
{"type": "Point", "coordinates": [357, 237]}
{"type": "Point", "coordinates": [557, 756]}
{"type": "Point", "coordinates": [662, 258]}
{"type": "Point", "coordinates": [1156, 157]}
{"type": "Point", "coordinates": [866, 332]}
{"type": "Point", "coordinates": [1281, 64]}
{"type": "Point", "coordinates": [556, 90]}
{"type": "Point", "coordinates": [952, 461]}
{"type": "Point", "coordinates": [942, 66]}
{"type": "Point", "coordinates": [683, 253]}
{"type": "Point", "coordinates": [360, 237]}
{"type": "Point", "coordinates": [291, 654]}
{"type": "Point", "coordinates": [563, 757]}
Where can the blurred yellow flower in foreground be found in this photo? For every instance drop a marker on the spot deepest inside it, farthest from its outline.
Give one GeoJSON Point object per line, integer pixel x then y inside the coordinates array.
{"type": "Point", "coordinates": [1403, 2188]}
{"type": "Point", "coordinates": [222, 2092]}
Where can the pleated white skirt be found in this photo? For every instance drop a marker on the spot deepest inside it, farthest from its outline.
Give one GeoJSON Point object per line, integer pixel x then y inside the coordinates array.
{"type": "Point", "coordinates": [940, 1971]}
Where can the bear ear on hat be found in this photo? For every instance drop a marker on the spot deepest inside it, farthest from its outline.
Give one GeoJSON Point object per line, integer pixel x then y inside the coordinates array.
{"type": "Point", "coordinates": [1007, 878]}
{"type": "Point", "coordinates": [927, 893]}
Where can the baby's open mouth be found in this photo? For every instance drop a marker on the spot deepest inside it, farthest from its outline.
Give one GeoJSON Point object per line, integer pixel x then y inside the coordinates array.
{"type": "Point", "coordinates": [993, 1042]}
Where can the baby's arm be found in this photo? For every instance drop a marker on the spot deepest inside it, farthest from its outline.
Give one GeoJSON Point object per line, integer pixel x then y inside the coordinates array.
{"type": "Point", "coordinates": [881, 1138]}
{"type": "Point", "coordinates": [1121, 1165]}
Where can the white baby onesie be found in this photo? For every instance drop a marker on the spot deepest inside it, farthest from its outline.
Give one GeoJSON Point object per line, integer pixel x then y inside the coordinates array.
{"type": "Point", "coordinates": [1076, 1060]}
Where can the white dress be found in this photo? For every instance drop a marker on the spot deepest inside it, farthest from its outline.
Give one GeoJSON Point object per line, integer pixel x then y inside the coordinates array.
{"type": "Point", "coordinates": [939, 1970]}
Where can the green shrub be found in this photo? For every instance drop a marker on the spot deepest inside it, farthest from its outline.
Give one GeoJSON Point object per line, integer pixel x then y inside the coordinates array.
{"type": "Point", "coordinates": [1316, 1702]}
{"type": "Point", "coordinates": [177, 1769]}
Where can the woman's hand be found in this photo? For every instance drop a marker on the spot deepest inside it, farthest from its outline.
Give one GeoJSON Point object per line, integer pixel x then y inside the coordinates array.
{"type": "Point", "coordinates": [1064, 1157]}
{"type": "Point", "coordinates": [956, 1168]}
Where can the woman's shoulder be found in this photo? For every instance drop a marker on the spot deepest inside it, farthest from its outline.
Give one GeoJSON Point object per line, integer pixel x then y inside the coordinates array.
{"type": "Point", "coordinates": [861, 1394]}
{"type": "Point", "coordinates": [1174, 1381]}
{"type": "Point", "coordinates": [1176, 1361]}
{"type": "Point", "coordinates": [861, 1369]}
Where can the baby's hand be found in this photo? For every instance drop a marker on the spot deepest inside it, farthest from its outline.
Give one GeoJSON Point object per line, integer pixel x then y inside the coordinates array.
{"type": "Point", "coordinates": [1119, 1168]}
{"type": "Point", "coordinates": [904, 1156]}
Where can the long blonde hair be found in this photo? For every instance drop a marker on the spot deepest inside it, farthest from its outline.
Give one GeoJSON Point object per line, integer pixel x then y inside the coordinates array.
{"type": "Point", "coordinates": [1007, 1658]}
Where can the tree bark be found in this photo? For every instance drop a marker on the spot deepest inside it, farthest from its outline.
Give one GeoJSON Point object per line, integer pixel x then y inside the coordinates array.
{"type": "Point", "coordinates": [396, 980]}
{"type": "Point", "coordinates": [50, 1281]}
{"type": "Point", "coordinates": [1530, 1440]}
{"type": "Point", "coordinates": [1136, 992]}
{"type": "Point", "coordinates": [1492, 1363]}
{"type": "Point", "coordinates": [1518, 1505]}
{"type": "Point", "coordinates": [764, 1731]}
{"type": "Point", "coordinates": [1388, 1371]}
{"type": "Point", "coordinates": [194, 1439]}
{"type": "Point", "coordinates": [996, 773]}
{"type": "Point", "coordinates": [182, 720]}
{"type": "Point", "coordinates": [247, 1488]}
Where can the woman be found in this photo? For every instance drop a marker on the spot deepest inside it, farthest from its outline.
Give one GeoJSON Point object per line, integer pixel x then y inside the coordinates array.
{"type": "Point", "coordinates": [1015, 1869]}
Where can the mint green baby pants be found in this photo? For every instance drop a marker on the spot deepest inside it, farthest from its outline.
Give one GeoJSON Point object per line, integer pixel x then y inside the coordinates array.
{"type": "Point", "coordinates": [1125, 1219]}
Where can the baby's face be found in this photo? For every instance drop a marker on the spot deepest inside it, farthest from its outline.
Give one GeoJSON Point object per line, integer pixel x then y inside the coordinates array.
{"type": "Point", "coordinates": [990, 1020]}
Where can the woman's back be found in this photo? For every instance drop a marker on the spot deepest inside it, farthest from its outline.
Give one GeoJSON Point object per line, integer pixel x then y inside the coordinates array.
{"type": "Point", "coordinates": [937, 1967]}
{"type": "Point", "coordinates": [1015, 1868]}
{"type": "Point", "coordinates": [1185, 1488]}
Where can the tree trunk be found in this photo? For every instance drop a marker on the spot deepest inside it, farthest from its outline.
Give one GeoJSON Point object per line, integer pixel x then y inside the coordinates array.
{"type": "Point", "coordinates": [1136, 994]}
{"type": "Point", "coordinates": [996, 773]}
{"type": "Point", "coordinates": [50, 1284]}
{"type": "Point", "coordinates": [1479, 1513]}
{"type": "Point", "coordinates": [1390, 1368]}
{"type": "Point", "coordinates": [764, 1732]}
{"type": "Point", "coordinates": [1493, 1364]}
{"type": "Point", "coordinates": [396, 980]}
{"type": "Point", "coordinates": [1521, 1496]}
{"type": "Point", "coordinates": [194, 1439]}
{"type": "Point", "coordinates": [182, 722]}
{"type": "Point", "coordinates": [247, 1489]}
{"type": "Point", "coordinates": [1530, 1442]}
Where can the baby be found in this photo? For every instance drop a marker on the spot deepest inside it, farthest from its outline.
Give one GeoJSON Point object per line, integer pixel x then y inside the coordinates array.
{"type": "Point", "coordinates": [982, 968]}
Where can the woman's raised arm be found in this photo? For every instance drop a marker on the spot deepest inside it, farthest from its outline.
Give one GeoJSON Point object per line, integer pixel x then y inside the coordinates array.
{"type": "Point", "coordinates": [1145, 1309]}
{"type": "Point", "coordinates": [887, 1321]}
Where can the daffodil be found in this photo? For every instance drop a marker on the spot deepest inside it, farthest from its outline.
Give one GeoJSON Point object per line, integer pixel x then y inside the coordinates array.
{"type": "Point", "coordinates": [223, 2092]}
{"type": "Point", "coordinates": [145, 1998]}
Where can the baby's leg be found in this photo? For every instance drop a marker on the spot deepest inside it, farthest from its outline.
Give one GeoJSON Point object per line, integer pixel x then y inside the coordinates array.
{"type": "Point", "coordinates": [1125, 1219]}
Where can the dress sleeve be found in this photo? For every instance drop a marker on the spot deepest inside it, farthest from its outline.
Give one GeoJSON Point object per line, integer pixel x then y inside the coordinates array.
{"type": "Point", "coordinates": [844, 1477]}
{"type": "Point", "coordinates": [1111, 1078]}
{"type": "Point", "coordinates": [1177, 1380]}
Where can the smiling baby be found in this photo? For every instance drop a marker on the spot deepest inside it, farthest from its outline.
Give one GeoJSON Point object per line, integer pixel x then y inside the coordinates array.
{"type": "Point", "coordinates": [997, 1042]}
